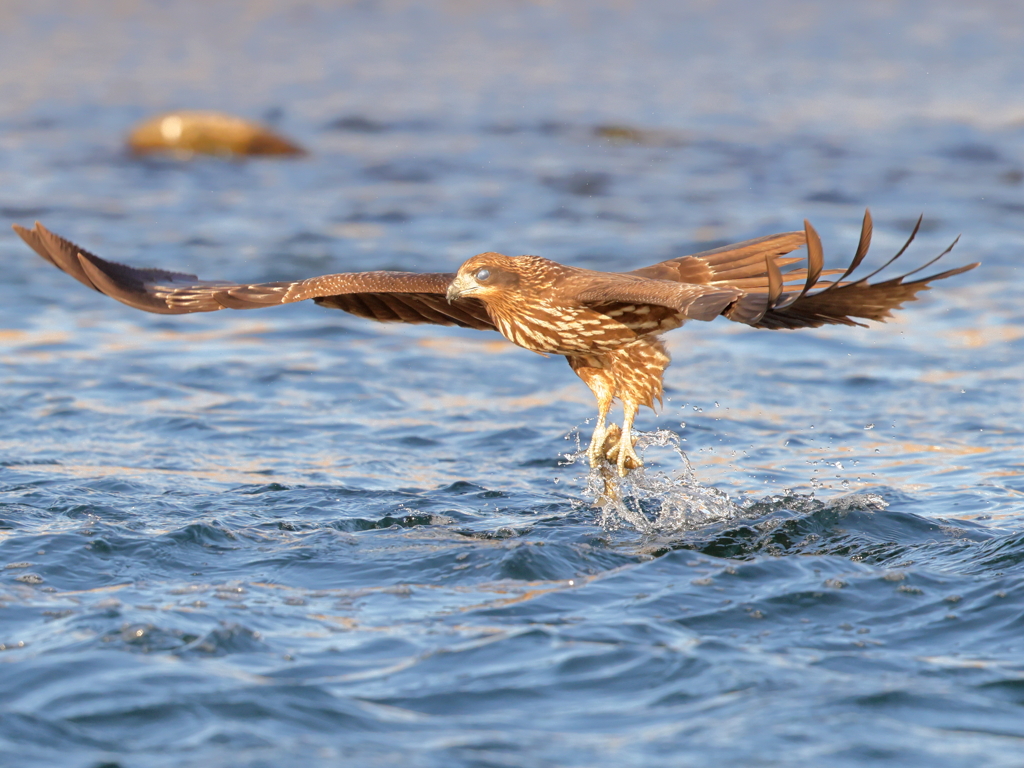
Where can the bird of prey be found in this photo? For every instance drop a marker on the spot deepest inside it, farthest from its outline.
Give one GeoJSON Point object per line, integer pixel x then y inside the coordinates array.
{"type": "Point", "coordinates": [607, 325]}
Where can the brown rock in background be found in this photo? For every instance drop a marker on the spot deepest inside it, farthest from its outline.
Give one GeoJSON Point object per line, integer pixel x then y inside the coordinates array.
{"type": "Point", "coordinates": [210, 133]}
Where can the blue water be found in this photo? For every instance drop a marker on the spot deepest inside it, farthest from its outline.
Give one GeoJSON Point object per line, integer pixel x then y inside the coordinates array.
{"type": "Point", "coordinates": [293, 537]}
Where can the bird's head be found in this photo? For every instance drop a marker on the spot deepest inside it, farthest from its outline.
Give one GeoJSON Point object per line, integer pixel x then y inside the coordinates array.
{"type": "Point", "coordinates": [486, 276]}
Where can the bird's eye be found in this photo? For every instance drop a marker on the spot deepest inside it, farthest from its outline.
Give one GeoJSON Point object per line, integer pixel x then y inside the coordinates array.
{"type": "Point", "coordinates": [482, 275]}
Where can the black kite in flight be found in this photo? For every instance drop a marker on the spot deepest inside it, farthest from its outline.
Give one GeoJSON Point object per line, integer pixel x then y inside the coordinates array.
{"type": "Point", "coordinates": [607, 325]}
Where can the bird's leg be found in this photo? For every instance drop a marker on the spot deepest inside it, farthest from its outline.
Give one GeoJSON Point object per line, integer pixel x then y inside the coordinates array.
{"type": "Point", "coordinates": [595, 451]}
{"type": "Point", "coordinates": [596, 376]}
{"type": "Point", "coordinates": [626, 458]}
{"type": "Point", "coordinates": [637, 370]}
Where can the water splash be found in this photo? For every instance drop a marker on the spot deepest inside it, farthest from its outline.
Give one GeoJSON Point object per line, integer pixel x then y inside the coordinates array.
{"type": "Point", "coordinates": [655, 502]}
{"type": "Point", "coordinates": [660, 504]}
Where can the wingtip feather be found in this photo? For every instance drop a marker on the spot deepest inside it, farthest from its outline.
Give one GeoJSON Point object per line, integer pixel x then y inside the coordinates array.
{"type": "Point", "coordinates": [64, 254]}
{"type": "Point", "coordinates": [121, 290]}
{"type": "Point", "coordinates": [31, 238]}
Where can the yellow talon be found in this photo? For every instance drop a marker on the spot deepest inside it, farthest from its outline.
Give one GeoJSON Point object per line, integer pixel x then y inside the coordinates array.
{"type": "Point", "coordinates": [618, 449]}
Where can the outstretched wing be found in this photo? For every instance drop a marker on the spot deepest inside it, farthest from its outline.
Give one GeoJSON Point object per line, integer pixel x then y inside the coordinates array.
{"type": "Point", "coordinates": [390, 297]}
{"type": "Point", "coordinates": [767, 297]}
{"type": "Point", "coordinates": [740, 265]}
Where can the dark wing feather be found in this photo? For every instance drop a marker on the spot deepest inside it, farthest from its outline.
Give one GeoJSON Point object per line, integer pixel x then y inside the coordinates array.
{"type": "Point", "coordinates": [839, 301]}
{"type": "Point", "coordinates": [770, 298]}
{"type": "Point", "coordinates": [402, 297]}
{"type": "Point", "coordinates": [837, 306]}
{"type": "Point", "coordinates": [68, 257]}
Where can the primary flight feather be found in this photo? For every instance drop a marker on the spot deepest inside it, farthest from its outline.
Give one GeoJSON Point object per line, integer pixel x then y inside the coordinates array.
{"type": "Point", "coordinates": [607, 325]}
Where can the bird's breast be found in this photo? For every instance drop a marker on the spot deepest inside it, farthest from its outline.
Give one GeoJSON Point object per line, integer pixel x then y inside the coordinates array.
{"type": "Point", "coordinates": [549, 328]}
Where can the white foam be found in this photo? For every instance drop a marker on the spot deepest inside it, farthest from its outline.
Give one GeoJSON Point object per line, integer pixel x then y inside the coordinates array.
{"type": "Point", "coordinates": [655, 501]}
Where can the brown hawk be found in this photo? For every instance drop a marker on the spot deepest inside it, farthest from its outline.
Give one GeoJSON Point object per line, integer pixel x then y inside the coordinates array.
{"type": "Point", "coordinates": [607, 325]}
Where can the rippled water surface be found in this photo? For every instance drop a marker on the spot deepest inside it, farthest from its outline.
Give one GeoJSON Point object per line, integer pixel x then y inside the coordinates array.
{"type": "Point", "coordinates": [293, 537]}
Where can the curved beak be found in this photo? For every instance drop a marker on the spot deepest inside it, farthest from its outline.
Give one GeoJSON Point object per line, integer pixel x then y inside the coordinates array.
{"type": "Point", "coordinates": [456, 289]}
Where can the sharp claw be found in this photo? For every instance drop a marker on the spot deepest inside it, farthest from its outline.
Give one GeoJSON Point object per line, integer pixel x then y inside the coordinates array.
{"type": "Point", "coordinates": [627, 458]}
{"type": "Point", "coordinates": [618, 449]}
{"type": "Point", "coordinates": [613, 447]}
{"type": "Point", "coordinates": [610, 445]}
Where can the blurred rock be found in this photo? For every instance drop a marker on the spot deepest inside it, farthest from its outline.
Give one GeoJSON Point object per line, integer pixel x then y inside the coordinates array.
{"type": "Point", "coordinates": [210, 133]}
{"type": "Point", "coordinates": [625, 134]}
{"type": "Point", "coordinates": [357, 124]}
